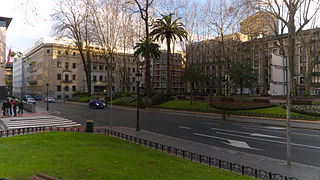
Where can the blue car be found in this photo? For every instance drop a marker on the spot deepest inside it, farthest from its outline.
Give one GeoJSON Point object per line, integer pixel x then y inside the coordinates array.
{"type": "Point", "coordinates": [96, 104]}
{"type": "Point", "coordinates": [37, 98]}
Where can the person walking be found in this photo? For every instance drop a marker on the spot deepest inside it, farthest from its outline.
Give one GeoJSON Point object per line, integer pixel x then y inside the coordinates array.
{"type": "Point", "coordinates": [14, 108]}
{"type": "Point", "coordinates": [11, 105]}
{"type": "Point", "coordinates": [7, 107]}
{"type": "Point", "coordinates": [3, 108]}
{"type": "Point", "coordinates": [20, 107]}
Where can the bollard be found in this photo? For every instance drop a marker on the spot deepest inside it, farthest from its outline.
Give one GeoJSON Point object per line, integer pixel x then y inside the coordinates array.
{"type": "Point", "coordinates": [89, 126]}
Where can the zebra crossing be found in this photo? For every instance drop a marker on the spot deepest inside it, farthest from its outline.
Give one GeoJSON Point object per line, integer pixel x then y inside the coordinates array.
{"type": "Point", "coordinates": [37, 121]}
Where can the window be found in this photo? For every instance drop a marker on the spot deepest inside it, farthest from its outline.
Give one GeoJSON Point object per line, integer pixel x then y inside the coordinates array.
{"type": "Point", "coordinates": [67, 65]}
{"type": "Point", "coordinates": [66, 77]}
{"type": "Point", "coordinates": [58, 88]}
{"type": "Point", "coordinates": [302, 80]}
{"type": "Point", "coordinates": [74, 88]}
{"type": "Point", "coordinates": [133, 69]}
{"type": "Point", "coordinates": [74, 65]}
{"type": "Point", "coordinates": [59, 76]}
{"type": "Point", "coordinates": [113, 68]}
{"type": "Point", "coordinates": [59, 64]}
{"type": "Point", "coordinates": [48, 51]}
{"type": "Point", "coordinates": [106, 68]}
{"type": "Point", "coordinates": [275, 44]}
{"type": "Point", "coordinates": [59, 97]}
{"type": "Point", "coordinates": [74, 77]}
{"type": "Point", "coordinates": [67, 53]}
{"type": "Point", "coordinates": [275, 51]}
{"type": "Point", "coordinates": [255, 54]}
{"type": "Point", "coordinates": [100, 67]}
{"type": "Point", "coordinates": [2, 24]}
{"type": "Point", "coordinates": [100, 78]}
{"type": "Point", "coordinates": [128, 70]}
{"type": "Point", "coordinates": [94, 67]}
{"type": "Point", "coordinates": [59, 52]}
{"type": "Point", "coordinates": [133, 88]}
{"type": "Point", "coordinates": [300, 49]}
{"type": "Point", "coordinates": [66, 88]}
{"type": "Point", "coordinates": [94, 78]}
{"type": "Point", "coordinates": [74, 53]}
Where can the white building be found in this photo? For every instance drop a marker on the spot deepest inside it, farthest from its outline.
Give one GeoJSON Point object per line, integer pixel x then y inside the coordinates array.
{"type": "Point", "coordinates": [18, 77]}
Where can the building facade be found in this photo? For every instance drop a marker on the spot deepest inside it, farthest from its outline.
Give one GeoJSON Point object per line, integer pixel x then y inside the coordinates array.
{"type": "Point", "coordinates": [60, 66]}
{"type": "Point", "coordinates": [4, 24]}
{"type": "Point", "coordinates": [159, 73]}
{"type": "Point", "coordinates": [18, 82]}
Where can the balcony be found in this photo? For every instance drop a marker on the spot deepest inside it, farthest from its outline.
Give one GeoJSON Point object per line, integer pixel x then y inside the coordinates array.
{"type": "Point", "coordinates": [66, 81]}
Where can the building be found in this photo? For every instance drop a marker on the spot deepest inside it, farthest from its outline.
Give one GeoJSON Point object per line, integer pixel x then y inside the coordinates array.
{"type": "Point", "coordinates": [8, 77]}
{"type": "Point", "coordinates": [4, 24]}
{"type": "Point", "coordinates": [18, 78]}
{"type": "Point", "coordinates": [60, 66]}
{"type": "Point", "coordinates": [215, 58]}
{"type": "Point", "coordinates": [159, 73]}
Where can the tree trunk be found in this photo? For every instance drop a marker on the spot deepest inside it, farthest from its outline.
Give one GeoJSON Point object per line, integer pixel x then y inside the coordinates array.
{"type": "Point", "coordinates": [147, 55]}
{"type": "Point", "coordinates": [89, 73]}
{"type": "Point", "coordinates": [168, 66]}
{"type": "Point", "coordinates": [291, 50]}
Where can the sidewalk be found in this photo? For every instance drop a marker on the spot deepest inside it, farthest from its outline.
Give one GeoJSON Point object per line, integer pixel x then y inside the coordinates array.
{"type": "Point", "coordinates": [300, 171]}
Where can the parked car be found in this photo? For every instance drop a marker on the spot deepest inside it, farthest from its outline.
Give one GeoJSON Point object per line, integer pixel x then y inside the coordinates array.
{"type": "Point", "coordinates": [49, 99]}
{"type": "Point", "coordinates": [26, 97]}
{"type": "Point", "coordinates": [37, 98]}
{"type": "Point", "coordinates": [96, 104]}
{"type": "Point", "coordinates": [31, 100]}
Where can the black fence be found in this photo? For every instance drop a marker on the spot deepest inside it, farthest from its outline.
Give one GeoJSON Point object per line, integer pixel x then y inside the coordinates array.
{"type": "Point", "coordinates": [203, 159]}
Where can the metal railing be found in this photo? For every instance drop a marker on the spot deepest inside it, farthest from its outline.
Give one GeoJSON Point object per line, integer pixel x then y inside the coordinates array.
{"type": "Point", "coordinates": [203, 159]}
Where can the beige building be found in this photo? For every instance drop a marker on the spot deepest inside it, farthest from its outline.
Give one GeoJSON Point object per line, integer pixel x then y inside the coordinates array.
{"type": "Point", "coordinates": [60, 66]}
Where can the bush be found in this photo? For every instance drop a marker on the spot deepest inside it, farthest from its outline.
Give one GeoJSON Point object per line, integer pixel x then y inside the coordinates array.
{"type": "Point", "coordinates": [161, 98]}
{"type": "Point", "coordinates": [79, 93]}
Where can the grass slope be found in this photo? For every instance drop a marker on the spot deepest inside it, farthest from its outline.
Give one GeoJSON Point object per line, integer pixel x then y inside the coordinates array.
{"type": "Point", "coordinates": [90, 156]}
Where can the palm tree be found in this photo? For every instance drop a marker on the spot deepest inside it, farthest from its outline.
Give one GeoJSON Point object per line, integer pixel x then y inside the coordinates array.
{"type": "Point", "coordinates": [192, 74]}
{"type": "Point", "coordinates": [168, 29]}
{"type": "Point", "coordinates": [140, 49]}
{"type": "Point", "coordinates": [242, 73]}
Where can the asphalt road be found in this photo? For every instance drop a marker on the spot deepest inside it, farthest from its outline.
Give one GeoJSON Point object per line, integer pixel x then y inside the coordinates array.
{"type": "Point", "coordinates": [251, 138]}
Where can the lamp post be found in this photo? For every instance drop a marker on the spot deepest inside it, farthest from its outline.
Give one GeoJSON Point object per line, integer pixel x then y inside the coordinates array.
{"type": "Point", "coordinates": [64, 94]}
{"type": "Point", "coordinates": [21, 94]}
{"type": "Point", "coordinates": [47, 85]}
{"type": "Point", "coordinates": [224, 100]}
{"type": "Point", "coordinates": [138, 75]}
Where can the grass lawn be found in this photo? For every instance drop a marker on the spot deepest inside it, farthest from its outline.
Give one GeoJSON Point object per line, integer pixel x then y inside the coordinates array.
{"type": "Point", "coordinates": [185, 105]}
{"type": "Point", "coordinates": [70, 155]}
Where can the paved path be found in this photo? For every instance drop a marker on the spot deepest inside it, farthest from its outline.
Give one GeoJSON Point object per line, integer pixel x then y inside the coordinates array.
{"type": "Point", "coordinates": [300, 171]}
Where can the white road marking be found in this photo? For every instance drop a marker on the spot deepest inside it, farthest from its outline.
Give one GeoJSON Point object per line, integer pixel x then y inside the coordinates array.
{"type": "Point", "coordinates": [303, 134]}
{"type": "Point", "coordinates": [251, 134]}
{"type": "Point", "coordinates": [276, 128]}
{"type": "Point", "coordinates": [234, 143]}
{"type": "Point", "coordinates": [210, 123]}
{"type": "Point", "coordinates": [183, 127]}
{"type": "Point", "coordinates": [273, 141]}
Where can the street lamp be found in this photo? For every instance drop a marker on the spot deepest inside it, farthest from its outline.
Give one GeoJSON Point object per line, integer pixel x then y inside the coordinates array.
{"type": "Point", "coordinates": [138, 75]}
{"type": "Point", "coordinates": [64, 94]}
{"type": "Point", "coordinates": [224, 100]}
{"type": "Point", "coordinates": [47, 85]}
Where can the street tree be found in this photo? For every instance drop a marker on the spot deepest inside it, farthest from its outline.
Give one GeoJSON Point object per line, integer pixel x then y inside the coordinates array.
{"type": "Point", "coordinates": [73, 20]}
{"type": "Point", "coordinates": [191, 75]}
{"type": "Point", "coordinates": [242, 74]}
{"type": "Point", "coordinates": [170, 30]}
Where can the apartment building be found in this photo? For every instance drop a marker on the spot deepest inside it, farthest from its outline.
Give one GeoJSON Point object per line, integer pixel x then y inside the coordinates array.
{"type": "Point", "coordinates": [215, 58]}
{"type": "Point", "coordinates": [159, 73]}
{"type": "Point", "coordinates": [18, 77]}
{"type": "Point", "coordinates": [4, 24]}
{"type": "Point", "coordinates": [60, 66]}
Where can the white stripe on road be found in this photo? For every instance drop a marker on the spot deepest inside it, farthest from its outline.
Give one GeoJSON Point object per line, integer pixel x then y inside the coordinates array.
{"type": "Point", "coordinates": [215, 124]}
{"type": "Point", "coordinates": [251, 134]}
{"type": "Point", "coordinates": [183, 127]}
{"type": "Point", "coordinates": [273, 141]}
{"type": "Point", "coordinates": [303, 134]}
{"type": "Point", "coordinates": [235, 143]}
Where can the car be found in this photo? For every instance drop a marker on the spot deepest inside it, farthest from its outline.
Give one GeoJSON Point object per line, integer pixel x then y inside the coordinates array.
{"type": "Point", "coordinates": [37, 97]}
{"type": "Point", "coordinates": [26, 97]}
{"type": "Point", "coordinates": [31, 100]}
{"type": "Point", "coordinates": [49, 100]}
{"type": "Point", "coordinates": [96, 104]}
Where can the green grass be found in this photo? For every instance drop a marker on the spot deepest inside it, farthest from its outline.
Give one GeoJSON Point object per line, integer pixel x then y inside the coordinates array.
{"type": "Point", "coordinates": [316, 102]}
{"type": "Point", "coordinates": [185, 105]}
{"type": "Point", "coordinates": [86, 98]}
{"type": "Point", "coordinates": [273, 110]}
{"type": "Point", "coordinates": [70, 155]}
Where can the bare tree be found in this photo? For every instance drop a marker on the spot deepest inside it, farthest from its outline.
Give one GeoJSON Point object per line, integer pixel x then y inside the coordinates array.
{"type": "Point", "coordinates": [73, 20]}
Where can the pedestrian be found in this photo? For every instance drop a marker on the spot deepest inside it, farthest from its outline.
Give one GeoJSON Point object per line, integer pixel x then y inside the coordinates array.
{"type": "Point", "coordinates": [3, 109]}
{"type": "Point", "coordinates": [7, 108]}
{"type": "Point", "coordinates": [11, 105]}
{"type": "Point", "coordinates": [14, 108]}
{"type": "Point", "coordinates": [20, 108]}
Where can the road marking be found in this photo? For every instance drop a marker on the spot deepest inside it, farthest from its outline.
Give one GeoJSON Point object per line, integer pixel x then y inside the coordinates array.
{"type": "Point", "coordinates": [251, 134]}
{"type": "Point", "coordinates": [234, 143]}
{"type": "Point", "coordinates": [303, 134]}
{"type": "Point", "coordinates": [215, 124]}
{"type": "Point", "coordinates": [273, 141]}
{"type": "Point", "coordinates": [275, 128]}
{"type": "Point", "coordinates": [183, 127]}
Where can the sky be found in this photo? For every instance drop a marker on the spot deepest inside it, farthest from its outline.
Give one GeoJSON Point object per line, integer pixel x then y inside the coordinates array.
{"type": "Point", "coordinates": [30, 21]}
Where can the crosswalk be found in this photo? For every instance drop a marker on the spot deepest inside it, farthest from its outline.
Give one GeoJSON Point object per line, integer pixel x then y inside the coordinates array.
{"type": "Point", "coordinates": [37, 121]}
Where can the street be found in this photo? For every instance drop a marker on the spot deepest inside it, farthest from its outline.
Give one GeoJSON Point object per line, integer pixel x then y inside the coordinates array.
{"type": "Point", "coordinates": [257, 139]}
